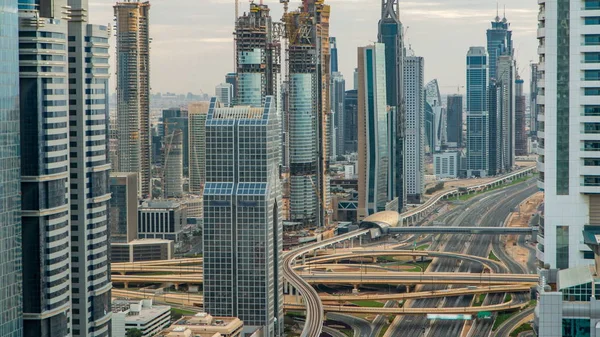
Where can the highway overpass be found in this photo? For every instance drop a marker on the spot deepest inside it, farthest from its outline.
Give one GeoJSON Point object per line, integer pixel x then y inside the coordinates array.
{"type": "Point", "coordinates": [464, 230]}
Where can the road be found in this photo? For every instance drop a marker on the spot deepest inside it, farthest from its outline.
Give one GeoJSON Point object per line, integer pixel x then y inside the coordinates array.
{"type": "Point", "coordinates": [361, 326]}
{"type": "Point", "coordinates": [381, 320]}
{"type": "Point", "coordinates": [484, 209]}
{"type": "Point", "coordinates": [511, 323]}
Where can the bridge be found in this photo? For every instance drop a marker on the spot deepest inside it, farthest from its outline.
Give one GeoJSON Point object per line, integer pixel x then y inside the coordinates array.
{"type": "Point", "coordinates": [464, 230]}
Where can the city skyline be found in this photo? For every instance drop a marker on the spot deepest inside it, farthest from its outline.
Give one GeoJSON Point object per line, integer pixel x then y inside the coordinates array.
{"type": "Point", "coordinates": [203, 67]}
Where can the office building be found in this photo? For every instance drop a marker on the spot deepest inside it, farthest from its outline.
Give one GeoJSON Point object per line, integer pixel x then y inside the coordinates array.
{"type": "Point", "coordinates": [123, 215]}
{"type": "Point", "coordinates": [11, 289]}
{"type": "Point", "coordinates": [258, 57]}
{"type": "Point", "coordinates": [350, 125]}
{"type": "Point", "coordinates": [433, 106]}
{"type": "Point", "coordinates": [373, 146]}
{"type": "Point", "coordinates": [113, 141]}
{"type": "Point", "coordinates": [477, 115]}
{"type": "Point", "coordinates": [161, 220]}
{"type": "Point", "coordinates": [173, 165]}
{"type": "Point", "coordinates": [143, 315]}
{"type": "Point", "coordinates": [89, 173]}
{"type": "Point", "coordinates": [390, 33]}
{"type": "Point", "coordinates": [309, 112]}
{"type": "Point", "coordinates": [414, 94]}
{"type": "Point", "coordinates": [242, 234]}
{"type": "Point", "coordinates": [133, 90]}
{"type": "Point", "coordinates": [177, 119]}
{"type": "Point", "coordinates": [454, 121]}
{"type": "Point", "coordinates": [334, 55]}
{"type": "Point", "coordinates": [44, 115]}
{"type": "Point", "coordinates": [446, 164]}
{"type": "Point", "coordinates": [338, 95]}
{"type": "Point", "coordinates": [197, 113]}
{"type": "Point", "coordinates": [205, 325]}
{"type": "Point", "coordinates": [533, 94]}
{"type": "Point", "coordinates": [142, 250]}
{"type": "Point", "coordinates": [231, 78]}
{"type": "Point", "coordinates": [224, 93]}
{"type": "Point", "coordinates": [504, 114]}
{"type": "Point", "coordinates": [520, 120]}
{"type": "Point", "coordinates": [567, 130]}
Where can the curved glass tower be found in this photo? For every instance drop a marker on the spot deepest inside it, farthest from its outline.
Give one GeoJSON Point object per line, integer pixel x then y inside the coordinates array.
{"type": "Point", "coordinates": [10, 201]}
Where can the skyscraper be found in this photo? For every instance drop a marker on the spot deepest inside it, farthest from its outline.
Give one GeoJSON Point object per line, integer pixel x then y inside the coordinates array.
{"type": "Point", "coordinates": [505, 113]}
{"type": "Point", "coordinates": [477, 115]}
{"type": "Point", "coordinates": [500, 96]}
{"type": "Point", "coordinates": [568, 128]}
{"type": "Point", "coordinates": [334, 55]}
{"type": "Point", "coordinates": [415, 135]}
{"type": "Point", "coordinates": [173, 165]}
{"type": "Point", "coordinates": [309, 111]}
{"type": "Point", "coordinates": [224, 93]}
{"type": "Point", "coordinates": [351, 121]}
{"type": "Point", "coordinates": [197, 113]}
{"type": "Point", "coordinates": [338, 95]}
{"type": "Point", "coordinates": [520, 132]}
{"type": "Point", "coordinates": [242, 216]}
{"type": "Point", "coordinates": [123, 217]}
{"type": "Point", "coordinates": [45, 168]}
{"type": "Point", "coordinates": [89, 173]}
{"type": "Point", "coordinates": [257, 57]}
{"type": "Point", "coordinates": [391, 34]}
{"type": "Point", "coordinates": [231, 78]}
{"type": "Point", "coordinates": [11, 290]}
{"type": "Point", "coordinates": [373, 140]}
{"type": "Point", "coordinates": [133, 89]}
{"type": "Point", "coordinates": [454, 126]}
{"type": "Point", "coordinates": [177, 119]}
{"type": "Point", "coordinates": [433, 114]}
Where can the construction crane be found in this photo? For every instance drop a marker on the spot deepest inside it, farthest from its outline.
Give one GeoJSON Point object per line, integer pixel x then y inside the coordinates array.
{"type": "Point", "coordinates": [458, 87]}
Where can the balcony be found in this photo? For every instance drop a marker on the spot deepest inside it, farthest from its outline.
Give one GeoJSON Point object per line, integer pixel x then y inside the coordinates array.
{"type": "Point", "coordinates": [541, 50]}
{"type": "Point", "coordinates": [542, 16]}
{"type": "Point", "coordinates": [540, 166]}
{"type": "Point", "coordinates": [541, 32]}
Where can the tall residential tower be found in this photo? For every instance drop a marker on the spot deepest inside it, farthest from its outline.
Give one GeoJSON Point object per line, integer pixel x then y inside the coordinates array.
{"type": "Point", "coordinates": [133, 90]}
{"type": "Point", "coordinates": [568, 127]}
{"type": "Point", "coordinates": [415, 135]}
{"type": "Point", "coordinates": [11, 306]}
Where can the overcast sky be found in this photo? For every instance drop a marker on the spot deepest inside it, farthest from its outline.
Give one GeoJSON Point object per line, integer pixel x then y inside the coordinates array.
{"type": "Point", "coordinates": [192, 47]}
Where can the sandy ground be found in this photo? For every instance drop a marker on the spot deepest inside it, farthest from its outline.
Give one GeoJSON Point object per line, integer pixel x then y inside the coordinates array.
{"type": "Point", "coordinates": [521, 219]}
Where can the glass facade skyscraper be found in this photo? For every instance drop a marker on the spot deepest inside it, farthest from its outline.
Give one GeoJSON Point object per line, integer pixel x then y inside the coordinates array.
{"type": "Point", "coordinates": [477, 115]}
{"type": "Point", "coordinates": [243, 228]}
{"type": "Point", "coordinates": [454, 126]}
{"type": "Point", "coordinates": [373, 141]}
{"type": "Point", "coordinates": [391, 35]}
{"type": "Point", "coordinates": [10, 200]}
{"type": "Point", "coordinates": [415, 119]}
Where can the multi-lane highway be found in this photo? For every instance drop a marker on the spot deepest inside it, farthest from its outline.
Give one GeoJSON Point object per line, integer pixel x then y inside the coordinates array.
{"type": "Point", "coordinates": [488, 209]}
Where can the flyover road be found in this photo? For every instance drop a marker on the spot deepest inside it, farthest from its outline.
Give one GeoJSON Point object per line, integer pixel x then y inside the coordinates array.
{"type": "Point", "coordinates": [156, 269]}
{"type": "Point", "coordinates": [312, 303]}
{"type": "Point", "coordinates": [361, 326]}
{"type": "Point", "coordinates": [511, 305]}
{"type": "Point", "coordinates": [420, 278]}
{"type": "Point", "coordinates": [477, 210]}
{"type": "Point", "coordinates": [512, 323]}
{"type": "Point", "coordinates": [173, 262]}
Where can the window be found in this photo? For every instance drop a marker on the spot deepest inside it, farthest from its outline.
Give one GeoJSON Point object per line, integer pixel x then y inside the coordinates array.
{"type": "Point", "coordinates": [592, 20]}
{"type": "Point", "coordinates": [592, 91]}
{"type": "Point", "coordinates": [591, 110]}
{"type": "Point", "coordinates": [591, 39]}
{"type": "Point", "coordinates": [591, 75]}
{"type": "Point", "coordinates": [592, 4]}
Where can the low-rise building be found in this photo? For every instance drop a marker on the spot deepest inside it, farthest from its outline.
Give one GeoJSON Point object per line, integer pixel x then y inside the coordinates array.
{"type": "Point", "coordinates": [446, 164]}
{"type": "Point", "coordinates": [142, 250]}
{"type": "Point", "coordinates": [205, 325]}
{"type": "Point", "coordinates": [139, 314]}
{"type": "Point", "coordinates": [161, 220]}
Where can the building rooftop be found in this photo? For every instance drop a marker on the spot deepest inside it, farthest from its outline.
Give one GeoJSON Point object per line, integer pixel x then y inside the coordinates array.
{"type": "Point", "coordinates": [139, 311]}
{"type": "Point", "coordinates": [144, 242]}
{"type": "Point", "coordinates": [575, 276]}
{"type": "Point", "coordinates": [204, 325]}
{"type": "Point", "coordinates": [163, 204]}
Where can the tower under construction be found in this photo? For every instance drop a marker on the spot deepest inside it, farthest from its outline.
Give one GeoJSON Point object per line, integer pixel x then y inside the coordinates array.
{"type": "Point", "coordinates": [307, 31]}
{"type": "Point", "coordinates": [133, 90]}
{"type": "Point", "coordinates": [258, 56]}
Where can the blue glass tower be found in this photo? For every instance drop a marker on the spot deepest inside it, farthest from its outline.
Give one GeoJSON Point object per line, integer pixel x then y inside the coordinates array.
{"type": "Point", "coordinates": [391, 35]}
{"type": "Point", "coordinates": [11, 320]}
{"type": "Point", "coordinates": [477, 115]}
{"type": "Point", "coordinates": [334, 55]}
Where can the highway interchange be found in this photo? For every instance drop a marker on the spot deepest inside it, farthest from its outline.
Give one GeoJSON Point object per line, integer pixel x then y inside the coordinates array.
{"type": "Point", "coordinates": [486, 210]}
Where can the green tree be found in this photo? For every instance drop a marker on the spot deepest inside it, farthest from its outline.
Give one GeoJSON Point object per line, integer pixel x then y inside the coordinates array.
{"type": "Point", "coordinates": [134, 333]}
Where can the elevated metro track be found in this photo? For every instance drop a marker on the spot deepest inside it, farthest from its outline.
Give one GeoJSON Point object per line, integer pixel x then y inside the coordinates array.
{"type": "Point", "coordinates": [464, 230]}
